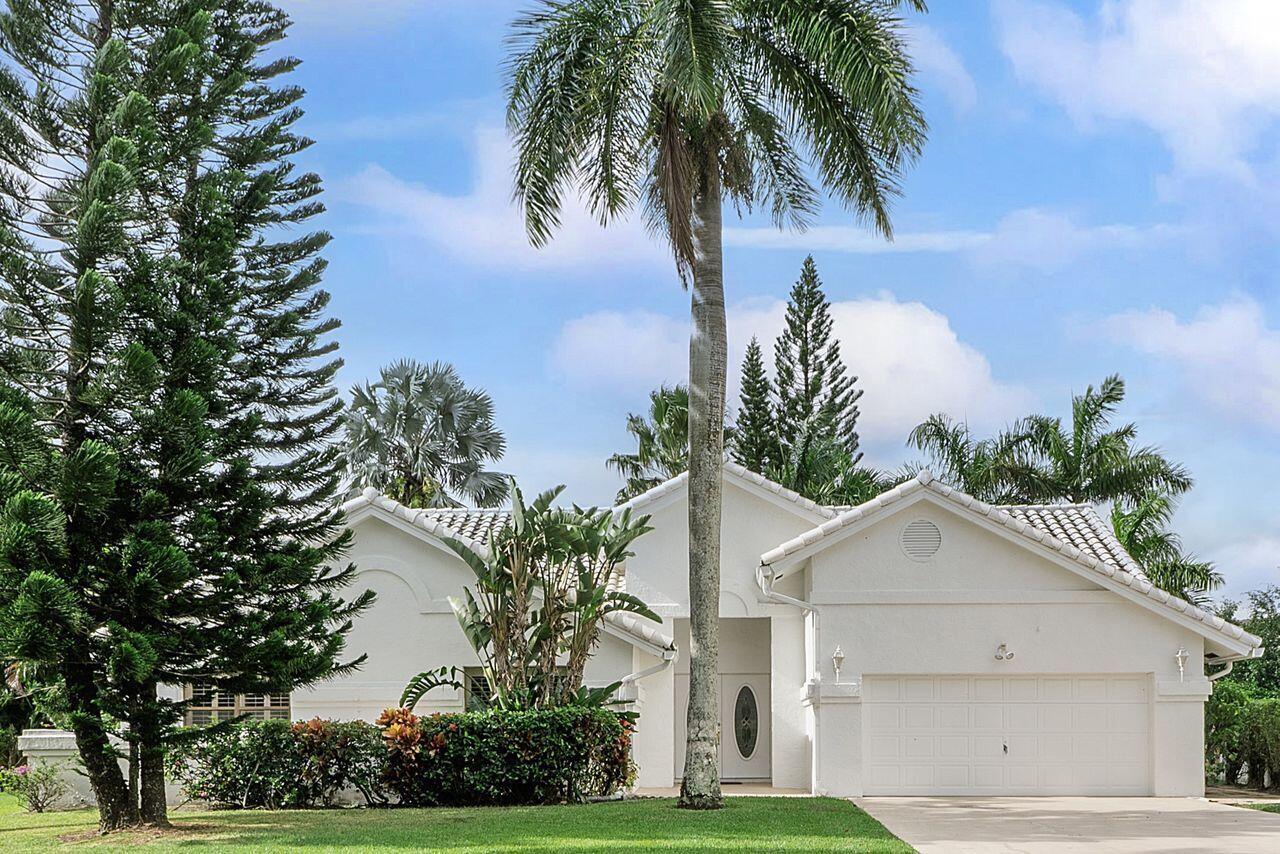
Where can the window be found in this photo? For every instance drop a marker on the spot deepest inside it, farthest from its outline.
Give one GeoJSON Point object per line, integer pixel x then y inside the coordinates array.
{"type": "Point", "coordinates": [208, 705]}
{"type": "Point", "coordinates": [476, 690]}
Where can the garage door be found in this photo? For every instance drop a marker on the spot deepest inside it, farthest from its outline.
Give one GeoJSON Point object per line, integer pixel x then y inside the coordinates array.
{"type": "Point", "coordinates": [1017, 735]}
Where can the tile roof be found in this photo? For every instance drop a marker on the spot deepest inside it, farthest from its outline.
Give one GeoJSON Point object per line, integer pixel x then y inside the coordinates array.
{"type": "Point", "coordinates": [1077, 525]}
{"type": "Point", "coordinates": [1070, 524]}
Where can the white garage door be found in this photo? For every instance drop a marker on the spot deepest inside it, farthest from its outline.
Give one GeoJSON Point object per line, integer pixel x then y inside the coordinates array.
{"type": "Point", "coordinates": [1015, 735]}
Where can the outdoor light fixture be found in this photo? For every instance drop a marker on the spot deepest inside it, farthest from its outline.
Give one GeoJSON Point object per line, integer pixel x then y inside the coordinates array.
{"type": "Point", "coordinates": [1002, 653]}
{"type": "Point", "coordinates": [1181, 656]}
{"type": "Point", "coordinates": [837, 659]}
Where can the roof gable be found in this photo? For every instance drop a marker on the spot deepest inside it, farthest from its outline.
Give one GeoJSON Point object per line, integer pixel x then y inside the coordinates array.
{"type": "Point", "coordinates": [1016, 525]}
{"type": "Point", "coordinates": [749, 481]}
{"type": "Point", "coordinates": [473, 529]}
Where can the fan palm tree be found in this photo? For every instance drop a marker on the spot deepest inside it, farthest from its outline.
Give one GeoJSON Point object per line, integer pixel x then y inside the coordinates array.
{"type": "Point", "coordinates": [1088, 461]}
{"type": "Point", "coordinates": [421, 437]}
{"type": "Point", "coordinates": [1143, 530]}
{"type": "Point", "coordinates": [662, 442]}
{"type": "Point", "coordinates": [988, 469]}
{"type": "Point", "coordinates": [676, 106]}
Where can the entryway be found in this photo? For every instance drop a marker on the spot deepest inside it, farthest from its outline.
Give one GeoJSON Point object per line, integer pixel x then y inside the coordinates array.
{"type": "Point", "coordinates": [745, 721]}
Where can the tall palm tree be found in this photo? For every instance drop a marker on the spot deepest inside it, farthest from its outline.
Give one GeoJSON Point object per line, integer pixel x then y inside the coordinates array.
{"type": "Point", "coordinates": [1143, 530]}
{"type": "Point", "coordinates": [992, 470]}
{"type": "Point", "coordinates": [678, 105]}
{"type": "Point", "coordinates": [662, 442]}
{"type": "Point", "coordinates": [1089, 461]}
{"type": "Point", "coordinates": [421, 437]}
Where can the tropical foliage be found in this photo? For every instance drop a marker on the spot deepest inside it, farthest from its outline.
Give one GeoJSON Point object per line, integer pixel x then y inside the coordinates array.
{"type": "Point", "coordinates": [662, 443]}
{"type": "Point", "coordinates": [1143, 530]}
{"type": "Point", "coordinates": [544, 585]}
{"type": "Point", "coordinates": [992, 469]}
{"type": "Point", "coordinates": [420, 436]}
{"type": "Point", "coordinates": [1089, 460]}
{"type": "Point", "coordinates": [676, 107]}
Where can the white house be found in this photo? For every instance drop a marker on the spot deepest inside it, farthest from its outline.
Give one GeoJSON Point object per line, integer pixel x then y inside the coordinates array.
{"type": "Point", "coordinates": [921, 643]}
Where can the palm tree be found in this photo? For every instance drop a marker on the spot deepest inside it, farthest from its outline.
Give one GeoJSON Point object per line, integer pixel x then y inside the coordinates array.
{"type": "Point", "coordinates": [1089, 462]}
{"type": "Point", "coordinates": [421, 437]}
{"type": "Point", "coordinates": [988, 469]}
{"type": "Point", "coordinates": [662, 442]}
{"type": "Point", "coordinates": [819, 466]}
{"type": "Point", "coordinates": [1143, 530]}
{"type": "Point", "coordinates": [676, 105]}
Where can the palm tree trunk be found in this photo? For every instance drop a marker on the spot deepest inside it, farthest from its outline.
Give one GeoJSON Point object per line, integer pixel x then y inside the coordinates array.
{"type": "Point", "coordinates": [708, 355]}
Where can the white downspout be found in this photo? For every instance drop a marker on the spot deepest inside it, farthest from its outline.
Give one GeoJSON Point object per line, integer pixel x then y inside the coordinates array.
{"type": "Point", "coordinates": [1214, 677]}
{"type": "Point", "coordinates": [764, 579]}
{"type": "Point", "coordinates": [631, 678]}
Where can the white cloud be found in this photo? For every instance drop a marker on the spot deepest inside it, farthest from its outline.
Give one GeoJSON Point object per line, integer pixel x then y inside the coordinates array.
{"type": "Point", "coordinates": [1203, 74]}
{"type": "Point", "coordinates": [1229, 356]}
{"type": "Point", "coordinates": [937, 62]}
{"type": "Point", "coordinates": [1047, 241]}
{"type": "Point", "coordinates": [854, 240]}
{"type": "Point", "coordinates": [909, 360]}
{"type": "Point", "coordinates": [1249, 563]}
{"type": "Point", "coordinates": [1028, 238]}
{"type": "Point", "coordinates": [483, 226]}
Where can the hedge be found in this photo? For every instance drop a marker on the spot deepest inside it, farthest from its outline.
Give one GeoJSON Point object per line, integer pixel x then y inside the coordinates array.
{"type": "Point", "coordinates": [1242, 733]}
{"type": "Point", "coordinates": [276, 764]}
{"type": "Point", "coordinates": [506, 757]}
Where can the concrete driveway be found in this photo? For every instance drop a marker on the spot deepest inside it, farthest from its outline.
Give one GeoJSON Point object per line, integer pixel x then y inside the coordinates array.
{"type": "Point", "coordinates": [1096, 825]}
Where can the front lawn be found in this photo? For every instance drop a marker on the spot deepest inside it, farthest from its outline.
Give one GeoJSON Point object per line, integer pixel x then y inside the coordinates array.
{"type": "Point", "coordinates": [1268, 807]}
{"type": "Point", "coordinates": [745, 824]}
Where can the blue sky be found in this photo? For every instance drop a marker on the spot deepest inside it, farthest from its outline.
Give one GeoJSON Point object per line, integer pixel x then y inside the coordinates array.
{"type": "Point", "coordinates": [1100, 193]}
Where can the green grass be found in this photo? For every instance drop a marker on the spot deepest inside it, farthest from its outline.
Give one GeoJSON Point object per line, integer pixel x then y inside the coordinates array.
{"type": "Point", "coordinates": [745, 824]}
{"type": "Point", "coordinates": [1264, 807]}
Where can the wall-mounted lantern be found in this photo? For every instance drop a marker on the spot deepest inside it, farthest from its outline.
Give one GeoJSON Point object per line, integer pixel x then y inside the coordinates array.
{"type": "Point", "coordinates": [1181, 657]}
{"type": "Point", "coordinates": [837, 661]}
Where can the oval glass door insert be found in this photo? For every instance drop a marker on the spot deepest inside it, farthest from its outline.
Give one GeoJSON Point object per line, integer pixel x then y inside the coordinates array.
{"type": "Point", "coordinates": [746, 722]}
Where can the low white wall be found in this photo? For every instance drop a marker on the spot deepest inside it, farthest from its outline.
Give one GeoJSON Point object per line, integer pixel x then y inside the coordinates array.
{"type": "Point", "coordinates": [58, 747]}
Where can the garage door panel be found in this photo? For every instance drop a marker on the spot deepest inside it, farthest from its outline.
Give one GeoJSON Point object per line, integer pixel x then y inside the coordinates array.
{"type": "Point", "coordinates": [884, 716]}
{"type": "Point", "coordinates": [988, 716]}
{"type": "Point", "coordinates": [1127, 718]}
{"type": "Point", "coordinates": [1013, 735]}
{"type": "Point", "coordinates": [918, 717]}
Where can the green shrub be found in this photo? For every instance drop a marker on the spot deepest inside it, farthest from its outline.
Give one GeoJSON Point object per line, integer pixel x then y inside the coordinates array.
{"type": "Point", "coordinates": [1260, 740]}
{"type": "Point", "coordinates": [278, 765]}
{"type": "Point", "coordinates": [502, 757]}
{"type": "Point", "coordinates": [1224, 715]}
{"type": "Point", "coordinates": [37, 787]}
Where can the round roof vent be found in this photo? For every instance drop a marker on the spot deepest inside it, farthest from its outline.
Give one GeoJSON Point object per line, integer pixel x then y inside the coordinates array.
{"type": "Point", "coordinates": [921, 539]}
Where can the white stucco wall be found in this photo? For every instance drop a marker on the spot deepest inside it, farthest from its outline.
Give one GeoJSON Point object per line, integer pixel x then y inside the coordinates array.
{"type": "Point", "coordinates": [659, 571]}
{"type": "Point", "coordinates": [893, 615]}
{"type": "Point", "coordinates": [411, 628]}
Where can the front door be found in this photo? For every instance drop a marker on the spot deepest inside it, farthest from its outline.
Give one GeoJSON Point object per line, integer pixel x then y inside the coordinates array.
{"type": "Point", "coordinates": [744, 728]}
{"type": "Point", "coordinates": [745, 742]}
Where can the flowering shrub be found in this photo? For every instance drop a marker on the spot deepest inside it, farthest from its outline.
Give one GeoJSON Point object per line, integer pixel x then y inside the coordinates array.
{"type": "Point", "coordinates": [279, 765]}
{"type": "Point", "coordinates": [538, 756]}
{"type": "Point", "coordinates": [37, 787]}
